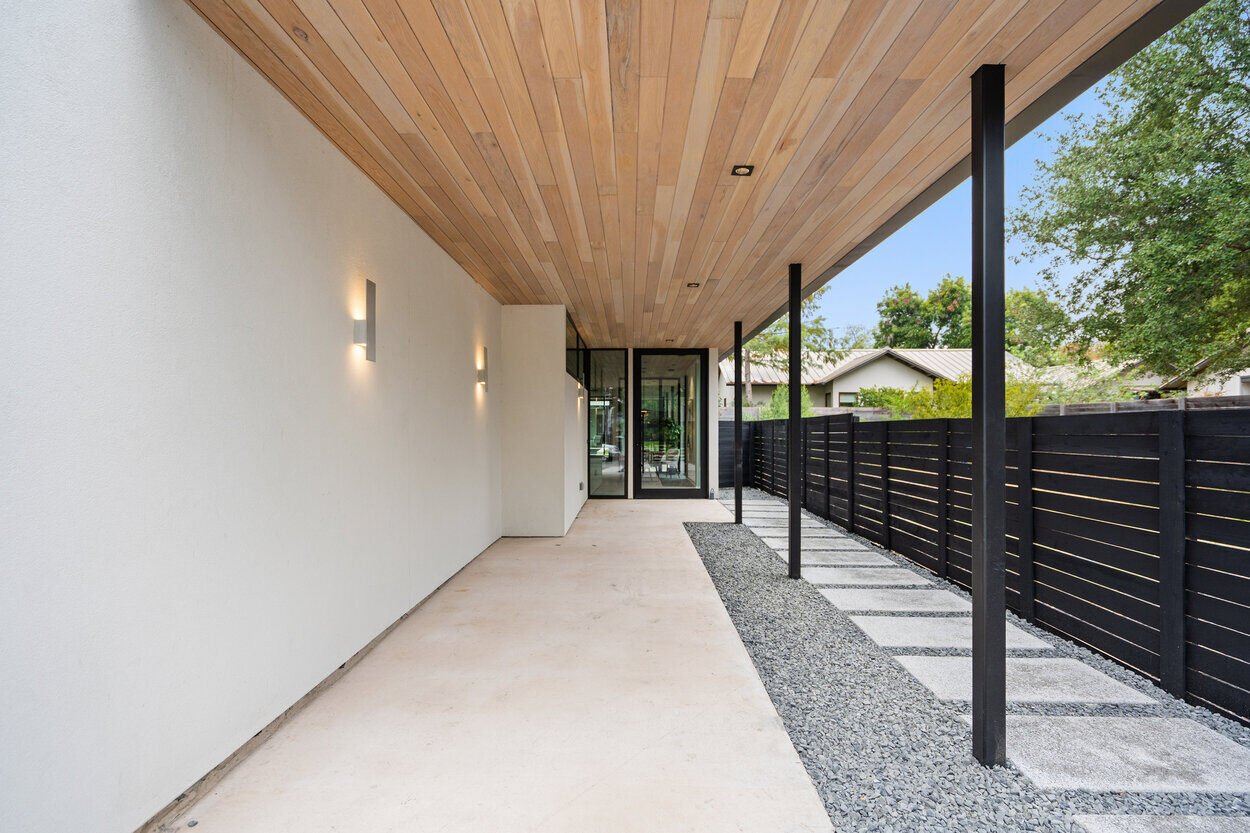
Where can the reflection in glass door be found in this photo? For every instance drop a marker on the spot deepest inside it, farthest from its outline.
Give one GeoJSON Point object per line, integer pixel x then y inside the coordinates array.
{"type": "Point", "coordinates": [606, 388]}
{"type": "Point", "coordinates": [670, 438]}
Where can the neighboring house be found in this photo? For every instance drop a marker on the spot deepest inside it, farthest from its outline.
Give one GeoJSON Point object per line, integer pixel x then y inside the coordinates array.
{"type": "Point", "coordinates": [1135, 381]}
{"type": "Point", "coordinates": [1148, 385]}
{"type": "Point", "coordinates": [1192, 383]}
{"type": "Point", "coordinates": [838, 385]}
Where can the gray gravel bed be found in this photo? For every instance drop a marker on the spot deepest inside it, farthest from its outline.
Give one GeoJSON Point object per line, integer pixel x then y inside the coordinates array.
{"type": "Point", "coordinates": [883, 753]}
{"type": "Point", "coordinates": [1168, 706]}
{"type": "Point", "coordinates": [966, 652]}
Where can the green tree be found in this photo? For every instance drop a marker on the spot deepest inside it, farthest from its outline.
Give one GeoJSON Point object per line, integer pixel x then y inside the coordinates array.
{"type": "Point", "coordinates": [950, 309]}
{"type": "Point", "coordinates": [1149, 201]}
{"type": "Point", "coordinates": [949, 399]}
{"type": "Point", "coordinates": [779, 406]}
{"type": "Point", "coordinates": [943, 318]}
{"type": "Point", "coordinates": [771, 348]}
{"type": "Point", "coordinates": [905, 319]}
{"type": "Point", "coordinates": [1038, 327]}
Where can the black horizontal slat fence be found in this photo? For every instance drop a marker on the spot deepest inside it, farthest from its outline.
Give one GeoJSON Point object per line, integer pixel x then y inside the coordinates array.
{"type": "Point", "coordinates": [1126, 532]}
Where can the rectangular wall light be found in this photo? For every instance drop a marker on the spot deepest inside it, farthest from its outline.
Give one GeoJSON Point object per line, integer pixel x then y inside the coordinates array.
{"type": "Point", "coordinates": [364, 330]}
{"type": "Point", "coordinates": [481, 371]}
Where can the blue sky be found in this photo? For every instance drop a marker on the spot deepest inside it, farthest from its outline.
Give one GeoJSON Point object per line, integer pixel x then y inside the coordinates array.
{"type": "Point", "coordinates": [939, 240]}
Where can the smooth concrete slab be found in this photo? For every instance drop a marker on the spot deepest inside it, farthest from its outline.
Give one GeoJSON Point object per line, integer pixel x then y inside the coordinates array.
{"type": "Point", "coordinates": [893, 576]}
{"type": "Point", "coordinates": [933, 632]}
{"type": "Point", "coordinates": [824, 558]}
{"type": "Point", "coordinates": [1125, 754]}
{"type": "Point", "coordinates": [892, 600]}
{"type": "Point", "coordinates": [1029, 680]}
{"type": "Point", "coordinates": [591, 682]}
{"type": "Point", "coordinates": [1163, 824]}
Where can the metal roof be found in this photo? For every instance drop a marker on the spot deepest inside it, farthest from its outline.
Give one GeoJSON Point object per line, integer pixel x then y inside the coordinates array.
{"type": "Point", "coordinates": [937, 363]}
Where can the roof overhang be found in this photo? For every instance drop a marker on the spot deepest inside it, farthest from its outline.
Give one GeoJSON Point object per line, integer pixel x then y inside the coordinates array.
{"type": "Point", "coordinates": [580, 152]}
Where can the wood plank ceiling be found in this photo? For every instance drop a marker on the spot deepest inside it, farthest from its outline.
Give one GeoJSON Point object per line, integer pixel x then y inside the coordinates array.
{"type": "Point", "coordinates": [579, 151]}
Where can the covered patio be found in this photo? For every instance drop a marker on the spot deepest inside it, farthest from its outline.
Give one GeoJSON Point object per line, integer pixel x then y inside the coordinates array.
{"type": "Point", "coordinates": [327, 320]}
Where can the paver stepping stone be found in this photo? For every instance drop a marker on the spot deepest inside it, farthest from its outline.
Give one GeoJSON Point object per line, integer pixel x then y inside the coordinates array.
{"type": "Point", "coordinates": [896, 601]}
{"type": "Point", "coordinates": [782, 529]}
{"type": "Point", "coordinates": [1163, 824]}
{"type": "Point", "coordinates": [826, 558]}
{"type": "Point", "coordinates": [1125, 754]}
{"type": "Point", "coordinates": [812, 544]}
{"type": "Point", "coordinates": [865, 575]}
{"type": "Point", "coordinates": [1029, 680]}
{"type": "Point", "coordinates": [933, 632]}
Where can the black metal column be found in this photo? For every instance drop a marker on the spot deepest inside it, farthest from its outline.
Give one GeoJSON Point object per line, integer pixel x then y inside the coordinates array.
{"type": "Point", "coordinates": [989, 423]}
{"type": "Point", "coordinates": [737, 422]}
{"type": "Point", "coordinates": [794, 444]}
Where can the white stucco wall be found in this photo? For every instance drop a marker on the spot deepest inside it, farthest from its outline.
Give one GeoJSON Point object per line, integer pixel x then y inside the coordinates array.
{"type": "Point", "coordinates": [209, 500]}
{"type": "Point", "coordinates": [544, 433]}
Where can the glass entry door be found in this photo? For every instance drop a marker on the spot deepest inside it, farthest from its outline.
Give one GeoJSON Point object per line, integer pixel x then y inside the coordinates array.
{"type": "Point", "coordinates": [670, 423]}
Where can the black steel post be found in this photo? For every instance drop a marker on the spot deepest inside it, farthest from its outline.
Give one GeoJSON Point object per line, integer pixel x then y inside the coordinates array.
{"type": "Point", "coordinates": [795, 444]}
{"type": "Point", "coordinates": [737, 422]}
{"type": "Point", "coordinates": [989, 422]}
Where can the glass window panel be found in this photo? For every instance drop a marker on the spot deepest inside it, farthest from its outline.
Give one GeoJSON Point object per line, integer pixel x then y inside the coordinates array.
{"type": "Point", "coordinates": [606, 390]}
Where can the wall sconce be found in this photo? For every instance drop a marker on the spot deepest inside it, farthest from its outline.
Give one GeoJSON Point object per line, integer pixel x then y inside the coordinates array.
{"type": "Point", "coordinates": [481, 371]}
{"type": "Point", "coordinates": [364, 330]}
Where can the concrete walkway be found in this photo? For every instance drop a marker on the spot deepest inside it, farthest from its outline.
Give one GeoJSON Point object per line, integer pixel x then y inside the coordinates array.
{"type": "Point", "coordinates": [593, 682]}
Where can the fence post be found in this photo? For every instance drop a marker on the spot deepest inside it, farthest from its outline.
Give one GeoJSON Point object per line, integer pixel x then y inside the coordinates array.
{"type": "Point", "coordinates": [943, 501]}
{"type": "Point", "coordinates": [828, 454]}
{"type": "Point", "coordinates": [804, 448]}
{"type": "Point", "coordinates": [1172, 552]}
{"type": "Point", "coordinates": [850, 472]}
{"type": "Point", "coordinates": [772, 455]}
{"type": "Point", "coordinates": [885, 483]}
{"type": "Point", "coordinates": [1024, 498]}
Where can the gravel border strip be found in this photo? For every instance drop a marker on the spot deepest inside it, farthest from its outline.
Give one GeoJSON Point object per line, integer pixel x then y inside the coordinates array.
{"type": "Point", "coordinates": [883, 753]}
{"type": "Point", "coordinates": [1166, 705]}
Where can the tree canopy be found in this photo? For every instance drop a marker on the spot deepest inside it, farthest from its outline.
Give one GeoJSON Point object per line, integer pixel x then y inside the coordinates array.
{"type": "Point", "coordinates": [943, 318]}
{"type": "Point", "coordinates": [1148, 200]}
{"type": "Point", "coordinates": [778, 406]}
{"type": "Point", "coordinates": [1039, 330]}
{"type": "Point", "coordinates": [821, 343]}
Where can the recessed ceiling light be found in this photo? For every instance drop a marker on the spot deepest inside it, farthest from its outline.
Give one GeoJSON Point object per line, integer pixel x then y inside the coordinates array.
{"type": "Point", "coordinates": [692, 285]}
{"type": "Point", "coordinates": [742, 170]}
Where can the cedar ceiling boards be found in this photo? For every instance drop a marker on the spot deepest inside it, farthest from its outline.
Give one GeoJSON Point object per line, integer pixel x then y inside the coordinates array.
{"type": "Point", "coordinates": [579, 151]}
